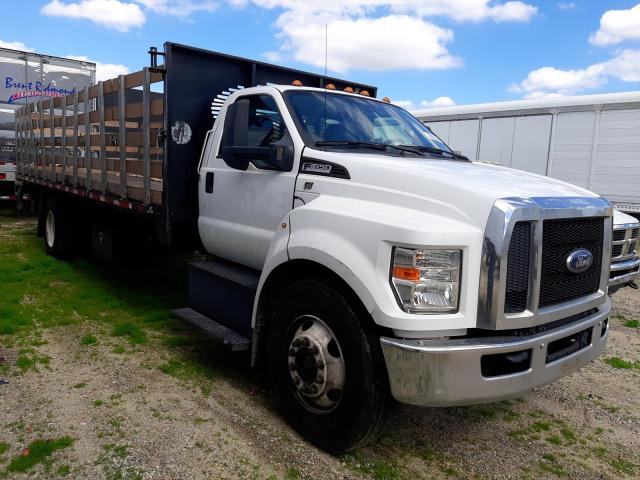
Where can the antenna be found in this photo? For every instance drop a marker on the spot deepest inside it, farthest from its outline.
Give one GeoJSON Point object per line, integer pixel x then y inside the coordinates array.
{"type": "Point", "coordinates": [326, 56]}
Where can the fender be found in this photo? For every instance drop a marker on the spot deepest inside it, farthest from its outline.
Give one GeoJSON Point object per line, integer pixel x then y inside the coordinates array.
{"type": "Point", "coordinates": [354, 239]}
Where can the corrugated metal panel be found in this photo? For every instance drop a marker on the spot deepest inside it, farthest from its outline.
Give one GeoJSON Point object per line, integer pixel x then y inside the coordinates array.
{"type": "Point", "coordinates": [616, 172]}
{"type": "Point", "coordinates": [573, 144]}
{"type": "Point", "coordinates": [496, 142]}
{"type": "Point", "coordinates": [531, 143]}
{"type": "Point", "coordinates": [463, 136]}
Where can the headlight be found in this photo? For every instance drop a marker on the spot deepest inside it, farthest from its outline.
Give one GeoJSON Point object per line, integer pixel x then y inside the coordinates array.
{"type": "Point", "coordinates": [427, 281]}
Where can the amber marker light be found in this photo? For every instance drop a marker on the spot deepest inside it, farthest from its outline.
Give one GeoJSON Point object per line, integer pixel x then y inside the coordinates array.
{"type": "Point", "coordinates": [348, 90]}
{"type": "Point", "coordinates": [406, 273]}
{"type": "Point", "coordinates": [330, 86]}
{"type": "Point", "coordinates": [386, 100]}
{"type": "Point", "coordinates": [364, 93]}
{"type": "Point", "coordinates": [296, 83]}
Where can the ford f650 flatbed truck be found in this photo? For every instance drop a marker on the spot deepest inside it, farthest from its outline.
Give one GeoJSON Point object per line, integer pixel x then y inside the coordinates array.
{"type": "Point", "coordinates": [355, 254]}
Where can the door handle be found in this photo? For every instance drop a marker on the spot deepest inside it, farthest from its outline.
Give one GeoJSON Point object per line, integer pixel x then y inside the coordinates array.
{"type": "Point", "coordinates": [208, 182]}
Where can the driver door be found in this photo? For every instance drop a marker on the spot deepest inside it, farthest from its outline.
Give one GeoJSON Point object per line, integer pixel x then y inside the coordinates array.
{"type": "Point", "coordinates": [240, 210]}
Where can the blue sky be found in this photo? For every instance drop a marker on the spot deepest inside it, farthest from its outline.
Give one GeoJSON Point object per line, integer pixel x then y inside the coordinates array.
{"type": "Point", "coordinates": [415, 51]}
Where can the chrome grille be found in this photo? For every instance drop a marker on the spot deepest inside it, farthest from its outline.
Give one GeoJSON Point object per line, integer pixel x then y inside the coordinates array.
{"type": "Point", "coordinates": [624, 245]}
{"type": "Point", "coordinates": [559, 239]}
{"type": "Point", "coordinates": [547, 294]}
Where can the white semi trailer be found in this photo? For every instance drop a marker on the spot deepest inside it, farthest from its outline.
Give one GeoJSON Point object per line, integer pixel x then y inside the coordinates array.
{"type": "Point", "coordinates": [26, 77]}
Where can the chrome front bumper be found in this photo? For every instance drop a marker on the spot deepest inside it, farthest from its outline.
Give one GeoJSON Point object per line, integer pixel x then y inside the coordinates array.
{"type": "Point", "coordinates": [632, 265]}
{"type": "Point", "coordinates": [447, 372]}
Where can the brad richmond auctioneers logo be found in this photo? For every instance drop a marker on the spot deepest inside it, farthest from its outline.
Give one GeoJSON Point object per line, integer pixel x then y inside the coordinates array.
{"type": "Point", "coordinates": [32, 89]}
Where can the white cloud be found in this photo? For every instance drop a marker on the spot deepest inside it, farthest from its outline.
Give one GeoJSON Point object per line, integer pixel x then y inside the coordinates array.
{"type": "Point", "coordinates": [551, 81]}
{"type": "Point", "coordinates": [436, 102]}
{"type": "Point", "coordinates": [566, 5]}
{"type": "Point", "coordinates": [385, 43]}
{"type": "Point", "coordinates": [179, 8]}
{"type": "Point", "coordinates": [116, 14]}
{"type": "Point", "coordinates": [104, 71]}
{"type": "Point", "coordinates": [617, 26]}
{"type": "Point", "coordinates": [15, 46]}
{"type": "Point", "coordinates": [378, 34]}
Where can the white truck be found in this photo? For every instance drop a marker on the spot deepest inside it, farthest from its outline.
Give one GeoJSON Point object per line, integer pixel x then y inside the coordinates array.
{"type": "Point", "coordinates": [354, 253]}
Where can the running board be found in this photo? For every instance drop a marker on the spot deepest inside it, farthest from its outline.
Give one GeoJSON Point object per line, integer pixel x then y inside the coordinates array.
{"type": "Point", "coordinates": [235, 341]}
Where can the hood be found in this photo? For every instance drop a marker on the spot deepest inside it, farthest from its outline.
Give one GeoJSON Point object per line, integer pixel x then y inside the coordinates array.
{"type": "Point", "coordinates": [466, 190]}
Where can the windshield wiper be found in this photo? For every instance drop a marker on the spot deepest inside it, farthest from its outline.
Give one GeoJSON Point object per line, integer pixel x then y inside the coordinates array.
{"type": "Point", "coordinates": [374, 145]}
{"type": "Point", "coordinates": [438, 151]}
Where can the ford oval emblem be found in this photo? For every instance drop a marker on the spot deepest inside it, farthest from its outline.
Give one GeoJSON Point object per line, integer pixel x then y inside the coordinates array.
{"type": "Point", "coordinates": [579, 260]}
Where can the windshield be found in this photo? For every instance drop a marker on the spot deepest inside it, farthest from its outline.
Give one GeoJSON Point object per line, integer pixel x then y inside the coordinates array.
{"type": "Point", "coordinates": [353, 119]}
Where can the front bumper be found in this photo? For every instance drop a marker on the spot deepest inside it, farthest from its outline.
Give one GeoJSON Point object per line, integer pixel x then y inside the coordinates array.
{"type": "Point", "coordinates": [447, 372]}
{"type": "Point", "coordinates": [623, 273]}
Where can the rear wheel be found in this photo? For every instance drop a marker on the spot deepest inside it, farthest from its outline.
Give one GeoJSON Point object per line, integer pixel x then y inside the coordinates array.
{"type": "Point", "coordinates": [58, 236]}
{"type": "Point", "coordinates": [327, 368]}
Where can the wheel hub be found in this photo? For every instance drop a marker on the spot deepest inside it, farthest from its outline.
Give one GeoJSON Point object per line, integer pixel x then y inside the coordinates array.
{"type": "Point", "coordinates": [316, 365]}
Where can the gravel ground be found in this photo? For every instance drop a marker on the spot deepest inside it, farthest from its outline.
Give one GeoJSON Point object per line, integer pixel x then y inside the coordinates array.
{"type": "Point", "coordinates": [165, 409]}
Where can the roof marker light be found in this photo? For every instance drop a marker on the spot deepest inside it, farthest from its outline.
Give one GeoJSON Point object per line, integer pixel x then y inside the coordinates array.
{"type": "Point", "coordinates": [348, 90]}
{"type": "Point", "coordinates": [364, 93]}
{"type": "Point", "coordinates": [330, 86]}
{"type": "Point", "coordinates": [386, 100]}
{"type": "Point", "coordinates": [296, 83]}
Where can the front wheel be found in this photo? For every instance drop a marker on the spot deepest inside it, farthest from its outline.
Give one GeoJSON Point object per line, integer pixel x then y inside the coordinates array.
{"type": "Point", "coordinates": [327, 368]}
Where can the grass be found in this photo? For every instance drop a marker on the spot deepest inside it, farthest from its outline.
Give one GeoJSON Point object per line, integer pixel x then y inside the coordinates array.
{"type": "Point", "coordinates": [617, 362]}
{"type": "Point", "coordinates": [37, 452]}
{"type": "Point", "coordinates": [80, 385]}
{"type": "Point", "coordinates": [4, 446]}
{"type": "Point", "coordinates": [632, 323]}
{"type": "Point", "coordinates": [377, 469]}
{"type": "Point", "coordinates": [39, 291]}
{"type": "Point", "coordinates": [89, 340]}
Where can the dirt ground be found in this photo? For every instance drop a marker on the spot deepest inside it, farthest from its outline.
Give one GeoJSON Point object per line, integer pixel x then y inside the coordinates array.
{"type": "Point", "coordinates": [162, 403]}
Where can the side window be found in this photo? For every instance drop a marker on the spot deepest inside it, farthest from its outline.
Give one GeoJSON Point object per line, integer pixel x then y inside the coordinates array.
{"type": "Point", "coordinates": [265, 122]}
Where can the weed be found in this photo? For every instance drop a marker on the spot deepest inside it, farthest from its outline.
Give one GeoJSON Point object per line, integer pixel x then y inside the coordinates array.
{"type": "Point", "coordinates": [550, 464]}
{"type": "Point", "coordinates": [622, 465]}
{"type": "Point", "coordinates": [292, 474]}
{"type": "Point", "coordinates": [632, 323]}
{"type": "Point", "coordinates": [377, 469]}
{"type": "Point", "coordinates": [80, 385]}
{"type": "Point", "coordinates": [63, 470]}
{"type": "Point", "coordinates": [98, 403]}
{"type": "Point", "coordinates": [617, 362]}
{"type": "Point", "coordinates": [4, 446]}
{"type": "Point", "coordinates": [89, 340]}
{"type": "Point", "coordinates": [133, 331]}
{"type": "Point", "coordinates": [37, 452]}
{"type": "Point", "coordinates": [118, 349]}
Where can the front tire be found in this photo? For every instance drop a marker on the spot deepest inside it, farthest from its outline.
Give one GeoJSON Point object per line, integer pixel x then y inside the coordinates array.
{"type": "Point", "coordinates": [326, 367]}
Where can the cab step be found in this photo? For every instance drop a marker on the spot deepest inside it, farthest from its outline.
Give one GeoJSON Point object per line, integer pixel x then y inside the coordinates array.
{"type": "Point", "coordinates": [235, 341]}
